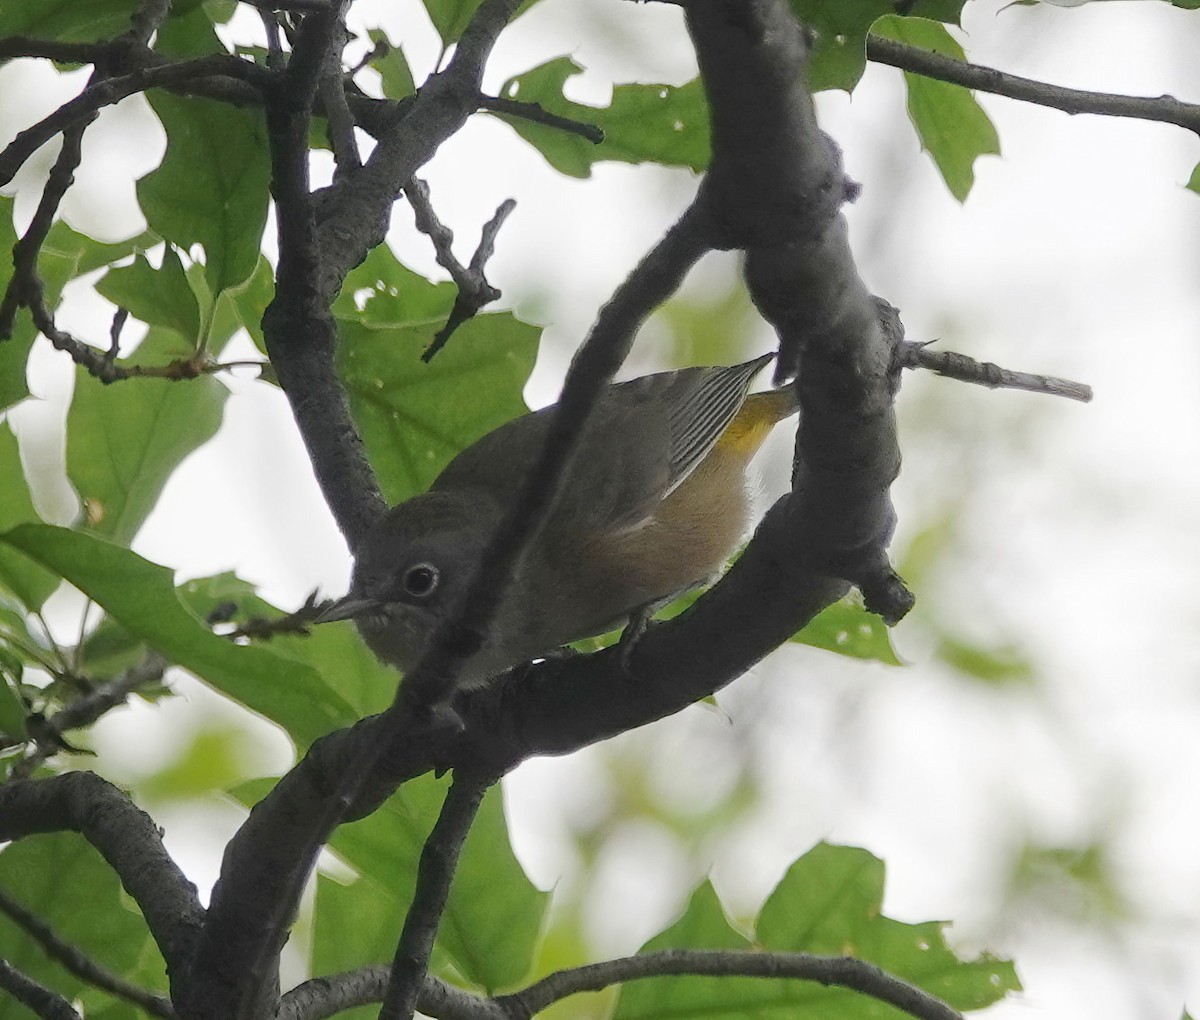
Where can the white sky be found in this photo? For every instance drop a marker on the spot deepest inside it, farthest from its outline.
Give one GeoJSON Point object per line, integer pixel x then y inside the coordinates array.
{"type": "Point", "coordinates": [1074, 527]}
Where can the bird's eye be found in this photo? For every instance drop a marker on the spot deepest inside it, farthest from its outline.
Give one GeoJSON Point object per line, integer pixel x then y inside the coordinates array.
{"type": "Point", "coordinates": [421, 580]}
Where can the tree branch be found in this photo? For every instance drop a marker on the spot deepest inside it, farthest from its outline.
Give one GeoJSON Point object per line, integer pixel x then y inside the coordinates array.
{"type": "Point", "coordinates": [474, 291]}
{"type": "Point", "coordinates": [435, 872]}
{"type": "Point", "coordinates": [113, 90]}
{"type": "Point", "coordinates": [79, 963]}
{"type": "Point", "coordinates": [324, 997]}
{"type": "Point", "coordinates": [85, 710]}
{"type": "Point", "coordinates": [41, 1000]}
{"type": "Point", "coordinates": [1164, 109]}
{"type": "Point", "coordinates": [535, 113]}
{"type": "Point", "coordinates": [984, 373]}
{"type": "Point", "coordinates": [128, 840]}
{"type": "Point", "coordinates": [840, 971]}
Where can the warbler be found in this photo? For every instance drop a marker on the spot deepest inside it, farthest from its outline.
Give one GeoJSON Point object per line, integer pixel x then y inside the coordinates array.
{"type": "Point", "coordinates": [655, 501]}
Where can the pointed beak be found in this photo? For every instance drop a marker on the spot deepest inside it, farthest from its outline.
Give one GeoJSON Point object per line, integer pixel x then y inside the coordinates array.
{"type": "Point", "coordinates": [347, 608]}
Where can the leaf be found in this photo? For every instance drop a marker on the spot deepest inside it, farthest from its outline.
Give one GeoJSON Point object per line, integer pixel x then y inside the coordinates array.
{"type": "Point", "coordinates": [841, 26]}
{"type": "Point", "coordinates": [951, 124]}
{"type": "Point", "coordinates": [831, 902]}
{"type": "Point", "coordinates": [70, 21]}
{"type": "Point", "coordinates": [211, 188]}
{"type": "Point", "coordinates": [414, 417]}
{"type": "Point", "coordinates": [334, 651]}
{"type": "Point", "coordinates": [702, 926]}
{"type": "Point", "coordinates": [1193, 183]}
{"type": "Point", "coordinates": [642, 124]}
{"type": "Point", "coordinates": [848, 629]}
{"type": "Point", "coordinates": [494, 915]}
{"type": "Point", "coordinates": [124, 442]}
{"type": "Point", "coordinates": [250, 300]}
{"type": "Point", "coordinates": [159, 297]}
{"type": "Point", "coordinates": [66, 884]}
{"type": "Point", "coordinates": [451, 17]}
{"type": "Point", "coordinates": [1003, 665]}
{"type": "Point", "coordinates": [394, 73]}
{"type": "Point", "coordinates": [27, 581]}
{"type": "Point", "coordinates": [140, 596]}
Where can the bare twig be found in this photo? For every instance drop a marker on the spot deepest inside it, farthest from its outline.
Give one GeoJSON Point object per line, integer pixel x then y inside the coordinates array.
{"type": "Point", "coordinates": [79, 963]}
{"type": "Point", "coordinates": [984, 373]}
{"type": "Point", "coordinates": [841, 971]}
{"type": "Point", "coordinates": [41, 1000]}
{"type": "Point", "coordinates": [535, 113]}
{"type": "Point", "coordinates": [474, 291]}
{"type": "Point", "coordinates": [85, 710]}
{"type": "Point", "coordinates": [1164, 109]}
{"type": "Point", "coordinates": [435, 871]}
{"type": "Point", "coordinates": [25, 288]}
{"type": "Point", "coordinates": [113, 90]}
{"type": "Point", "coordinates": [326, 996]}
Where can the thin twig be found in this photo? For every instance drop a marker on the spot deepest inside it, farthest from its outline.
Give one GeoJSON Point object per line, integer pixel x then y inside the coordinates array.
{"type": "Point", "coordinates": [840, 971]}
{"type": "Point", "coordinates": [25, 288]}
{"type": "Point", "coordinates": [85, 710]}
{"type": "Point", "coordinates": [474, 291]}
{"type": "Point", "coordinates": [435, 871]}
{"type": "Point", "coordinates": [984, 373]}
{"type": "Point", "coordinates": [45, 1003]}
{"type": "Point", "coordinates": [77, 962]}
{"type": "Point", "coordinates": [1164, 109]}
{"type": "Point", "coordinates": [113, 90]}
{"type": "Point", "coordinates": [534, 112]}
{"type": "Point", "coordinates": [327, 996]}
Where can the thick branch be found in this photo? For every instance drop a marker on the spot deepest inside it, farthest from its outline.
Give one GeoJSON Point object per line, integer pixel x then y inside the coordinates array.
{"type": "Point", "coordinates": [839, 971]}
{"type": "Point", "coordinates": [435, 872]}
{"type": "Point", "coordinates": [47, 1004]}
{"type": "Point", "coordinates": [128, 840]}
{"type": "Point", "coordinates": [1164, 109]}
{"type": "Point", "coordinates": [79, 963]}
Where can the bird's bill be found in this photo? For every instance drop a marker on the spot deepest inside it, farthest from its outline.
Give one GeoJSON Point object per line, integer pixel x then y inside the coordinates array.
{"type": "Point", "coordinates": [347, 608]}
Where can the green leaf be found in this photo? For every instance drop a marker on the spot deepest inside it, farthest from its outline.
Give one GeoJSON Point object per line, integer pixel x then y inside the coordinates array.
{"type": "Point", "coordinates": [70, 21]}
{"type": "Point", "coordinates": [124, 442]}
{"type": "Point", "coordinates": [1004, 665]}
{"type": "Point", "coordinates": [491, 925]}
{"type": "Point", "coordinates": [394, 72]}
{"type": "Point", "coordinates": [951, 124]}
{"type": "Point", "coordinates": [702, 926]}
{"type": "Point", "coordinates": [334, 651]}
{"type": "Point", "coordinates": [211, 188]}
{"type": "Point", "coordinates": [140, 596]}
{"type": "Point", "coordinates": [66, 884]}
{"type": "Point", "coordinates": [12, 709]}
{"type": "Point", "coordinates": [250, 300]}
{"type": "Point", "coordinates": [841, 26]}
{"type": "Point", "coordinates": [831, 902]}
{"type": "Point", "coordinates": [643, 123]}
{"type": "Point", "coordinates": [414, 417]}
{"type": "Point", "coordinates": [27, 581]}
{"type": "Point", "coordinates": [451, 17]}
{"type": "Point", "coordinates": [159, 297]}
{"type": "Point", "coordinates": [1193, 183]}
{"type": "Point", "coordinates": [848, 629]}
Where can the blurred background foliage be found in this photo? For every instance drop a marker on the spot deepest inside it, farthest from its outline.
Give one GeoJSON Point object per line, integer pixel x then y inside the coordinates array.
{"type": "Point", "coordinates": [1022, 772]}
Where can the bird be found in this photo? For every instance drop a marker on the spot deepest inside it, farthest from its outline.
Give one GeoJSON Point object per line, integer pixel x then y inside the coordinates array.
{"type": "Point", "coordinates": [655, 501]}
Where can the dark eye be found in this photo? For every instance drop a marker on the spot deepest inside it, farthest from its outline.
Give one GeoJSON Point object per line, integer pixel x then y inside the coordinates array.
{"type": "Point", "coordinates": [420, 580]}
